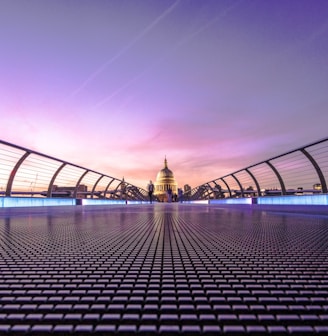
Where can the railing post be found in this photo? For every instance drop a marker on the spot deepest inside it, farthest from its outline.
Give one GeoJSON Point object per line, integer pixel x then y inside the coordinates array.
{"type": "Point", "coordinates": [255, 181]}
{"type": "Point", "coordinates": [240, 186]}
{"type": "Point", "coordinates": [13, 173]}
{"type": "Point", "coordinates": [281, 181]}
{"type": "Point", "coordinates": [49, 192]}
{"type": "Point", "coordinates": [95, 185]}
{"type": "Point", "coordinates": [226, 184]}
{"type": "Point", "coordinates": [78, 183]}
{"type": "Point", "coordinates": [110, 182]}
{"type": "Point", "coordinates": [317, 169]}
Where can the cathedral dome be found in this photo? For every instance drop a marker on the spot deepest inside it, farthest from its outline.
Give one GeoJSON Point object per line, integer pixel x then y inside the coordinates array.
{"type": "Point", "coordinates": [164, 173]}
{"type": "Point", "coordinates": [165, 180]}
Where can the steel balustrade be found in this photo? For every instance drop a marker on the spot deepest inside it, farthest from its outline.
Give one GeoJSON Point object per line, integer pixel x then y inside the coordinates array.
{"type": "Point", "coordinates": [298, 172]}
{"type": "Point", "coordinates": [27, 173]}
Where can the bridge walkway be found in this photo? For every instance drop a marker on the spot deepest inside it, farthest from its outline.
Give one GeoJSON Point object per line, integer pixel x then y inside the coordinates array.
{"type": "Point", "coordinates": [164, 269]}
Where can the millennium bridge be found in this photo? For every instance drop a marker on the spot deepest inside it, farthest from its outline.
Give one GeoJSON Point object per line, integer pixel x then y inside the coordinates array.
{"type": "Point", "coordinates": [84, 253]}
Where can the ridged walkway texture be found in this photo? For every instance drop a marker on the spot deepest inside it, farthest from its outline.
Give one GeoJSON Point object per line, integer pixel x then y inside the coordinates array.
{"type": "Point", "coordinates": [163, 269]}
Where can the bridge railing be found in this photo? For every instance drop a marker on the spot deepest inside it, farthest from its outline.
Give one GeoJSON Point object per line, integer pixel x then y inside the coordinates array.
{"type": "Point", "coordinates": [26, 173]}
{"type": "Point", "coordinates": [298, 172]}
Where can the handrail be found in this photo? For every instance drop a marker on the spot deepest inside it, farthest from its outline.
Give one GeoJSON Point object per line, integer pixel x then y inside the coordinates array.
{"type": "Point", "coordinates": [299, 171]}
{"type": "Point", "coordinates": [28, 173]}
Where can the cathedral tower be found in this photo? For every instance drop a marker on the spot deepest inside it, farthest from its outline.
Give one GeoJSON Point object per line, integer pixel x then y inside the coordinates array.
{"type": "Point", "coordinates": [165, 180]}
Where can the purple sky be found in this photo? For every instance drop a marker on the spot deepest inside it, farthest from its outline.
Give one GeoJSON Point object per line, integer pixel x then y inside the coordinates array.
{"type": "Point", "coordinates": [215, 85]}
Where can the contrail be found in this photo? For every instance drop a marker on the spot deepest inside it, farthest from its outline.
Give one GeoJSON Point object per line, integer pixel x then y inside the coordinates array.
{"type": "Point", "coordinates": [296, 47]}
{"type": "Point", "coordinates": [208, 24]}
{"type": "Point", "coordinates": [126, 48]}
{"type": "Point", "coordinates": [177, 46]}
{"type": "Point", "coordinates": [116, 92]}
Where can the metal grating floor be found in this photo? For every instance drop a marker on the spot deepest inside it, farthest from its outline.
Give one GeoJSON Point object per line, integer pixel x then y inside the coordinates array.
{"type": "Point", "coordinates": [163, 269]}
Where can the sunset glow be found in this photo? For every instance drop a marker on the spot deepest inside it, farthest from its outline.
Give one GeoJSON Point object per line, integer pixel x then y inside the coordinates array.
{"type": "Point", "coordinates": [115, 86]}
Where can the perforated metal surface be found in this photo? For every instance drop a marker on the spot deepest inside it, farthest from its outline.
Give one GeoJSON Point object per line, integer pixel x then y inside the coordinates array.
{"type": "Point", "coordinates": [163, 269]}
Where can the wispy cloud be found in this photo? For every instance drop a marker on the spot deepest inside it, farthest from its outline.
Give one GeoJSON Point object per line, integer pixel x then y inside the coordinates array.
{"type": "Point", "coordinates": [141, 35]}
{"type": "Point", "coordinates": [170, 51]}
{"type": "Point", "coordinates": [208, 24]}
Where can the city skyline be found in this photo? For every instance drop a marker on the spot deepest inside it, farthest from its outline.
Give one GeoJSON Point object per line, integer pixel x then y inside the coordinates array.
{"type": "Point", "coordinates": [213, 85]}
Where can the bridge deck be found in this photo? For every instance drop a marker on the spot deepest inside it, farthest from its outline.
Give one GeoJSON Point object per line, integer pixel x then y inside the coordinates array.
{"type": "Point", "coordinates": [163, 269]}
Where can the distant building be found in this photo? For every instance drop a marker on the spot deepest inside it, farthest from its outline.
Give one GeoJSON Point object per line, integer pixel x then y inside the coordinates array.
{"type": "Point", "coordinates": [317, 186]}
{"type": "Point", "coordinates": [69, 191]}
{"type": "Point", "coordinates": [165, 180]}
